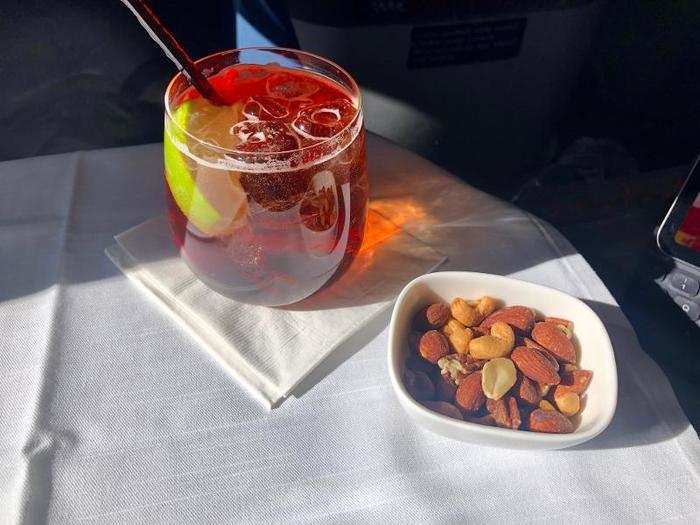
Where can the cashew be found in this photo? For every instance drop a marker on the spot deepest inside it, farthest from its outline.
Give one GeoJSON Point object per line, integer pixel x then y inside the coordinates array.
{"type": "Point", "coordinates": [489, 347]}
{"type": "Point", "coordinates": [458, 335]}
{"type": "Point", "coordinates": [452, 325]}
{"type": "Point", "coordinates": [504, 332]}
{"type": "Point", "coordinates": [463, 312]}
{"type": "Point", "coordinates": [486, 306]}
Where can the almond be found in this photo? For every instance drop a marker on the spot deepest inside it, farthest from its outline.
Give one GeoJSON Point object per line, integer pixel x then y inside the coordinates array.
{"type": "Point", "coordinates": [525, 390]}
{"type": "Point", "coordinates": [531, 344]}
{"type": "Point", "coordinates": [444, 408]}
{"type": "Point", "coordinates": [576, 380]}
{"type": "Point", "coordinates": [433, 345]}
{"type": "Point", "coordinates": [418, 385]}
{"type": "Point", "coordinates": [520, 317]}
{"type": "Point", "coordinates": [437, 315]}
{"type": "Point", "coordinates": [549, 421]}
{"type": "Point", "coordinates": [562, 322]}
{"type": "Point", "coordinates": [505, 412]}
{"type": "Point", "coordinates": [470, 396]}
{"type": "Point", "coordinates": [555, 341]}
{"type": "Point", "coordinates": [514, 413]}
{"type": "Point", "coordinates": [568, 332]}
{"type": "Point", "coordinates": [535, 365]}
{"type": "Point", "coordinates": [551, 359]}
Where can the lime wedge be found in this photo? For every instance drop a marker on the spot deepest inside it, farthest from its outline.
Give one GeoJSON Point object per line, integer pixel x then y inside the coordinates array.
{"type": "Point", "coordinates": [211, 199]}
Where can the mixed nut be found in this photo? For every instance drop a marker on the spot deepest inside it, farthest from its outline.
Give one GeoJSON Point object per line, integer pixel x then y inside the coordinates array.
{"type": "Point", "coordinates": [502, 367]}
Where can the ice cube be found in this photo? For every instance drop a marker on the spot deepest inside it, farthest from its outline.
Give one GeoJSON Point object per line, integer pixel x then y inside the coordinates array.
{"type": "Point", "coordinates": [290, 86]}
{"type": "Point", "coordinates": [261, 107]}
{"type": "Point", "coordinates": [325, 120]}
{"type": "Point", "coordinates": [264, 137]}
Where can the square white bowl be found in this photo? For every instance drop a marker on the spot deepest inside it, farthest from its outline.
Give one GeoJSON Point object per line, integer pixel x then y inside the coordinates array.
{"type": "Point", "coordinates": [591, 338]}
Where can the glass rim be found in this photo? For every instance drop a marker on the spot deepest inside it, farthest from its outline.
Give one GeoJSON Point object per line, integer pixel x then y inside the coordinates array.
{"type": "Point", "coordinates": [180, 75]}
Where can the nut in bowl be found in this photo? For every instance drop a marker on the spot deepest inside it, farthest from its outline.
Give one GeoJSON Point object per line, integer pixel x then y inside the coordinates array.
{"type": "Point", "coordinates": [499, 362]}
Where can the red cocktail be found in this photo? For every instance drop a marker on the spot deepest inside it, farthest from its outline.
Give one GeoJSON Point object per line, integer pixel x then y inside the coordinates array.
{"type": "Point", "coordinates": [267, 195]}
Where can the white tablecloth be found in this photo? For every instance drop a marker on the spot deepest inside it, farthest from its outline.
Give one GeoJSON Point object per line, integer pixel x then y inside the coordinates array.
{"type": "Point", "coordinates": [110, 413]}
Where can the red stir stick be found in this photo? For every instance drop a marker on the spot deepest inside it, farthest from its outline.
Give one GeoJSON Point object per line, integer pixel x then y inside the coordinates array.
{"type": "Point", "coordinates": [173, 50]}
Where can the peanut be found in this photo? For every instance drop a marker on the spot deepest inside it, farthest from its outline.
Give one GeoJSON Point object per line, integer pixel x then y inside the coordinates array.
{"type": "Point", "coordinates": [463, 312]}
{"type": "Point", "coordinates": [568, 403]}
{"type": "Point", "coordinates": [559, 321]}
{"type": "Point", "coordinates": [498, 377]}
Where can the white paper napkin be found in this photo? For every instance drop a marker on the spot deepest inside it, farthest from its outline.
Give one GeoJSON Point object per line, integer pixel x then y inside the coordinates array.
{"type": "Point", "coordinates": [270, 350]}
